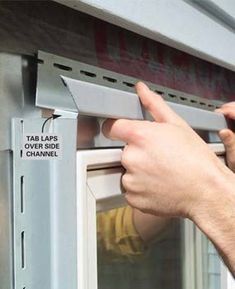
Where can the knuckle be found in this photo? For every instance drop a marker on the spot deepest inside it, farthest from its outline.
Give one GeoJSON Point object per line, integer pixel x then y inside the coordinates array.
{"type": "Point", "coordinates": [128, 159]}
{"type": "Point", "coordinates": [125, 160]}
{"type": "Point", "coordinates": [126, 182]}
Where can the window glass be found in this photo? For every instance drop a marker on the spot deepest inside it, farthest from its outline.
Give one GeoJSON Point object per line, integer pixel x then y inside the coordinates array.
{"type": "Point", "coordinates": [125, 261]}
{"type": "Point", "coordinates": [176, 256]}
{"type": "Point", "coordinates": [211, 266]}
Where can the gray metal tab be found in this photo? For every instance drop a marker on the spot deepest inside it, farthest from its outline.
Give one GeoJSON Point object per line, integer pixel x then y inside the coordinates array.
{"type": "Point", "coordinates": [96, 100]}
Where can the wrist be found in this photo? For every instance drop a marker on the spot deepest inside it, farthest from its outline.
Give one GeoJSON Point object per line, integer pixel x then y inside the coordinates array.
{"type": "Point", "coordinates": [218, 195]}
{"type": "Point", "coordinates": [215, 213]}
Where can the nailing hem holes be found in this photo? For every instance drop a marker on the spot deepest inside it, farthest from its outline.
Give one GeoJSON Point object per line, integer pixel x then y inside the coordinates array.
{"type": "Point", "coordinates": [62, 67]}
{"type": "Point", "coordinates": [23, 250]}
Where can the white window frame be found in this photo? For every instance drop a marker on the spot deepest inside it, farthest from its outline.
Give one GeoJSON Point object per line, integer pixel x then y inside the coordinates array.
{"type": "Point", "coordinates": [86, 223]}
{"type": "Point", "coordinates": [86, 219]}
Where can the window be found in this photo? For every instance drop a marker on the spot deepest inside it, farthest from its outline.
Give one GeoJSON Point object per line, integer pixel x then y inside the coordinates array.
{"type": "Point", "coordinates": [108, 258]}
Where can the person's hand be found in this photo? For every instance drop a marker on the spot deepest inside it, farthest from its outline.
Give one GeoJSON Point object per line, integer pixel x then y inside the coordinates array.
{"type": "Point", "coordinates": [170, 170]}
{"type": "Point", "coordinates": [227, 136]}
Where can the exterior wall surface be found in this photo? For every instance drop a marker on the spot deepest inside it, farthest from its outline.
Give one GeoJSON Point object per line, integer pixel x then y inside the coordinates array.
{"type": "Point", "coordinates": [28, 26]}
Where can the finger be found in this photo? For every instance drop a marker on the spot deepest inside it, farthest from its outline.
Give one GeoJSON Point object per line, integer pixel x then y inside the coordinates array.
{"type": "Point", "coordinates": [232, 103]}
{"type": "Point", "coordinates": [124, 159]}
{"type": "Point", "coordinates": [130, 158]}
{"type": "Point", "coordinates": [123, 129]}
{"type": "Point", "coordinates": [127, 182]}
{"type": "Point", "coordinates": [228, 111]}
{"type": "Point", "coordinates": [228, 139]}
{"type": "Point", "coordinates": [157, 107]}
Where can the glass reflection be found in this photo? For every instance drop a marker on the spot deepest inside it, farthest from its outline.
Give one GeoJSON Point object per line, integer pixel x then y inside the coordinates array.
{"type": "Point", "coordinates": [137, 250]}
